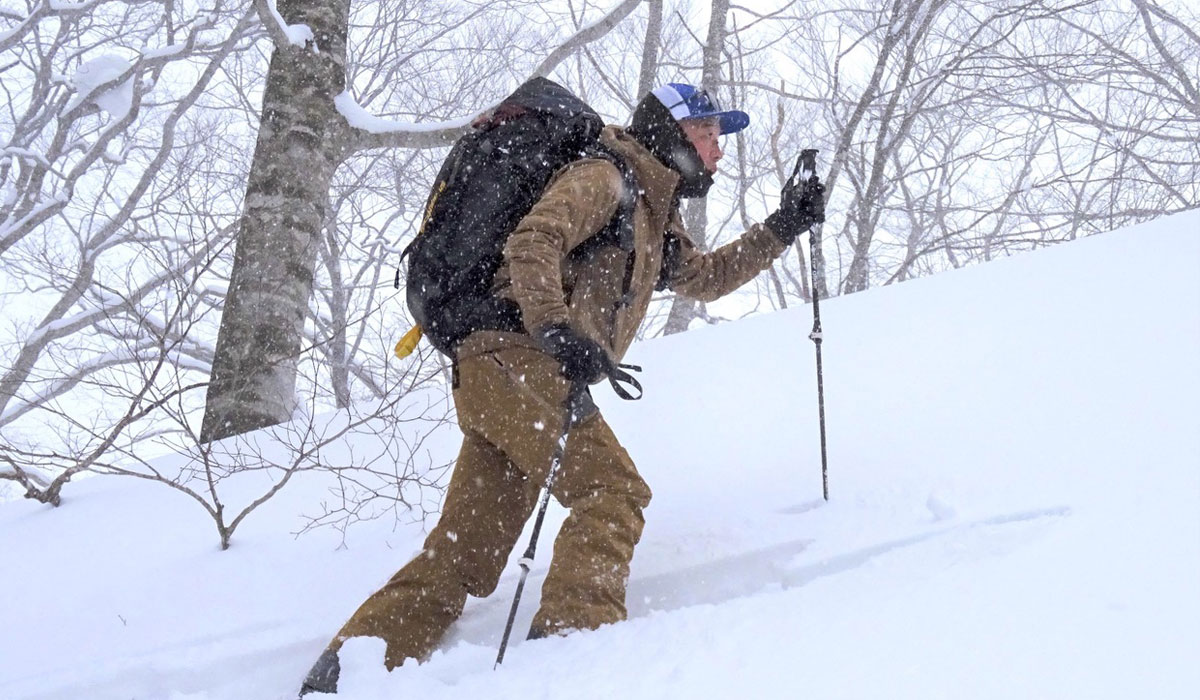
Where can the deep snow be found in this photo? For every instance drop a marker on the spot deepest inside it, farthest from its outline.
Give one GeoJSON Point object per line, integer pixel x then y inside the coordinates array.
{"type": "Point", "coordinates": [1015, 512]}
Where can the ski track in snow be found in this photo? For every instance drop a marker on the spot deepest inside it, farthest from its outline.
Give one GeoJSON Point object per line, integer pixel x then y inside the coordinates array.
{"type": "Point", "coordinates": [187, 670]}
{"type": "Point", "coordinates": [780, 566]}
{"type": "Point", "coordinates": [1014, 515]}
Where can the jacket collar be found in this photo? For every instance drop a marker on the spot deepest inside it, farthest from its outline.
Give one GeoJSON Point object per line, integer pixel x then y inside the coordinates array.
{"type": "Point", "coordinates": [658, 182]}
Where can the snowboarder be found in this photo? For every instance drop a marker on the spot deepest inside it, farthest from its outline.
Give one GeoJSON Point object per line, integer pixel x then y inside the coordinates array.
{"type": "Point", "coordinates": [581, 314]}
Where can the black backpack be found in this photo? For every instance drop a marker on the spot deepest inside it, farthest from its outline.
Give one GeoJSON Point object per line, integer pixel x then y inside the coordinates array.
{"type": "Point", "coordinates": [489, 181]}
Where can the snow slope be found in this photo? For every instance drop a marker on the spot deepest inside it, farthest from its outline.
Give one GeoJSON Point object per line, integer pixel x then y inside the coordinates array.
{"type": "Point", "coordinates": [1015, 512]}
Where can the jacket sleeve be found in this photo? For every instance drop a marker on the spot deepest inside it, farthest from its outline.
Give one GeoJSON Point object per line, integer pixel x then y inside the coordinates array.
{"type": "Point", "coordinates": [710, 276]}
{"type": "Point", "coordinates": [580, 200]}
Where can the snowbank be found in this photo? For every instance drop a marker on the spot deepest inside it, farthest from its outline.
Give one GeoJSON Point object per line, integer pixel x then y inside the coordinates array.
{"type": "Point", "coordinates": [1015, 511]}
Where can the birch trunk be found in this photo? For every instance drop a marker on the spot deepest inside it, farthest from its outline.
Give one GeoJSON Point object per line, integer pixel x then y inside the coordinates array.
{"type": "Point", "coordinates": [301, 140]}
{"type": "Point", "coordinates": [649, 69]}
{"type": "Point", "coordinates": [684, 310]}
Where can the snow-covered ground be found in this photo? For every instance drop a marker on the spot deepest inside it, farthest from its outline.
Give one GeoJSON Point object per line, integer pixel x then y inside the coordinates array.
{"type": "Point", "coordinates": [1014, 466]}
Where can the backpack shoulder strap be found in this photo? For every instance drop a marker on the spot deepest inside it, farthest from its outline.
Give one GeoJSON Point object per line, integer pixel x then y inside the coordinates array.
{"type": "Point", "coordinates": [445, 176]}
{"type": "Point", "coordinates": [629, 191]}
{"type": "Point", "coordinates": [619, 230]}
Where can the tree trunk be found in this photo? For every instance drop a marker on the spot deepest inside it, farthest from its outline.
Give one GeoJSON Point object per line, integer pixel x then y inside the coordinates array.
{"type": "Point", "coordinates": [301, 140]}
{"type": "Point", "coordinates": [338, 347]}
{"type": "Point", "coordinates": [649, 70]}
{"type": "Point", "coordinates": [684, 310]}
{"type": "Point", "coordinates": [892, 129]}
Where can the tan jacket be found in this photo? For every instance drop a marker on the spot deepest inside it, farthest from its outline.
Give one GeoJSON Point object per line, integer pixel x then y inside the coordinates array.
{"type": "Point", "coordinates": [580, 200]}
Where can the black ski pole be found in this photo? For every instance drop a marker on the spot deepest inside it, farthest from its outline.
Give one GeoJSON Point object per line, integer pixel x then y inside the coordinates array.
{"type": "Point", "coordinates": [806, 165]}
{"type": "Point", "coordinates": [574, 410]}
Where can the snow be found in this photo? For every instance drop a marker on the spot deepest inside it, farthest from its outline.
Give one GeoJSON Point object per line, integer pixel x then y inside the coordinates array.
{"type": "Point", "coordinates": [164, 51]}
{"type": "Point", "coordinates": [24, 153]}
{"type": "Point", "coordinates": [357, 116]}
{"type": "Point", "coordinates": [110, 301]}
{"type": "Point", "coordinates": [1014, 466]}
{"type": "Point", "coordinates": [92, 74]}
{"type": "Point", "coordinates": [297, 34]}
{"type": "Point", "coordinates": [300, 35]}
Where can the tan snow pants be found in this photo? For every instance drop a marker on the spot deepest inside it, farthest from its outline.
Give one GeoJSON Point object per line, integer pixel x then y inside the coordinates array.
{"type": "Point", "coordinates": [508, 442]}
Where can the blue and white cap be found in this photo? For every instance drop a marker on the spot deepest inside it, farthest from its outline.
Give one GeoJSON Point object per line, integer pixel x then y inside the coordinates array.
{"type": "Point", "coordinates": [687, 102]}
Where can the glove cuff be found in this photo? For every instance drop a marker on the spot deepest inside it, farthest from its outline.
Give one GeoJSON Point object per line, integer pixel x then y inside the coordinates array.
{"type": "Point", "coordinates": [783, 229]}
{"type": "Point", "coordinates": [582, 358]}
{"type": "Point", "coordinates": [550, 337]}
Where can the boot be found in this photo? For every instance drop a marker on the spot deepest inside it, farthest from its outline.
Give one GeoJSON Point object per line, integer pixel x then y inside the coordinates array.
{"type": "Point", "coordinates": [323, 676]}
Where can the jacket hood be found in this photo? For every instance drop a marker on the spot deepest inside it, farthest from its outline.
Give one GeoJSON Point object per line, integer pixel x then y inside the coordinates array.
{"type": "Point", "coordinates": [658, 182]}
{"type": "Point", "coordinates": [656, 128]}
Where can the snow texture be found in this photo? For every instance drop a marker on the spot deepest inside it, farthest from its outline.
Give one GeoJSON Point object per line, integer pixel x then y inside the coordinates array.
{"type": "Point", "coordinates": [94, 73]}
{"type": "Point", "coordinates": [297, 34]}
{"type": "Point", "coordinates": [165, 51]}
{"type": "Point", "coordinates": [360, 118]}
{"type": "Point", "coordinates": [1014, 464]}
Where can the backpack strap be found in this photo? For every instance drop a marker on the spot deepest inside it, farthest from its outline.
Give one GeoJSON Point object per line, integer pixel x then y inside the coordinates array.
{"type": "Point", "coordinates": [619, 376]}
{"type": "Point", "coordinates": [619, 230]}
{"type": "Point", "coordinates": [671, 257]}
{"type": "Point", "coordinates": [445, 176]}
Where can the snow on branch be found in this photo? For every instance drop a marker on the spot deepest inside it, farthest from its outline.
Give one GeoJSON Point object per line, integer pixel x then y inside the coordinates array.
{"type": "Point", "coordinates": [63, 6]}
{"type": "Point", "coordinates": [106, 81]}
{"type": "Point", "coordinates": [392, 133]}
{"type": "Point", "coordinates": [376, 132]}
{"type": "Point", "coordinates": [25, 474]}
{"type": "Point", "coordinates": [282, 33]}
{"type": "Point", "coordinates": [79, 373]}
{"type": "Point", "coordinates": [26, 23]}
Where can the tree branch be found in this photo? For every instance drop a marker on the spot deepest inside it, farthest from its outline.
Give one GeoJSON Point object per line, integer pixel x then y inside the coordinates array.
{"type": "Point", "coordinates": [373, 132]}
{"type": "Point", "coordinates": [271, 20]}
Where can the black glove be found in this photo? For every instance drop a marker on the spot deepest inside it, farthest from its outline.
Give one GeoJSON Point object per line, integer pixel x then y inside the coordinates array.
{"type": "Point", "coordinates": [583, 360]}
{"type": "Point", "coordinates": [800, 206]}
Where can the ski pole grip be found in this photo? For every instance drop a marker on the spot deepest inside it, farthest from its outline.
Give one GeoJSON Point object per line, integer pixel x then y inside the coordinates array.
{"type": "Point", "coordinates": [806, 164]}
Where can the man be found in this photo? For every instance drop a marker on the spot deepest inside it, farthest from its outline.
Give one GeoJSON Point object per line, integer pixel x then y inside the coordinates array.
{"type": "Point", "coordinates": [581, 313]}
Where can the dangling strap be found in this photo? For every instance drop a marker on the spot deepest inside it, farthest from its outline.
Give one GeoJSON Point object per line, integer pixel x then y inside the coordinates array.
{"type": "Point", "coordinates": [618, 376]}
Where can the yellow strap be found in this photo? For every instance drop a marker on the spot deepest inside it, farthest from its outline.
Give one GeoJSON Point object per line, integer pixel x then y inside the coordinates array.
{"type": "Point", "coordinates": [408, 343]}
{"type": "Point", "coordinates": [437, 192]}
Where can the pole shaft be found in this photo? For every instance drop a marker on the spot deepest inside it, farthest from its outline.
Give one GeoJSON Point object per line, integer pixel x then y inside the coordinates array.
{"type": "Point", "coordinates": [574, 403]}
{"type": "Point", "coordinates": [821, 410]}
{"type": "Point", "coordinates": [817, 338]}
{"type": "Point", "coordinates": [512, 616]}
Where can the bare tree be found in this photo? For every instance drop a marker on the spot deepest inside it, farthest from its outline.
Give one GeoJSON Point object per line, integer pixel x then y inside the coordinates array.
{"type": "Point", "coordinates": [647, 76]}
{"type": "Point", "coordinates": [102, 145]}
{"type": "Point", "coordinates": [302, 139]}
{"type": "Point", "coordinates": [684, 310]}
{"type": "Point", "coordinates": [952, 132]}
{"type": "Point", "coordinates": [121, 334]}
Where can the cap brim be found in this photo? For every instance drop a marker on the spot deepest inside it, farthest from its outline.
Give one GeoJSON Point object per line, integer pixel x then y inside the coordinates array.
{"type": "Point", "coordinates": [733, 121]}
